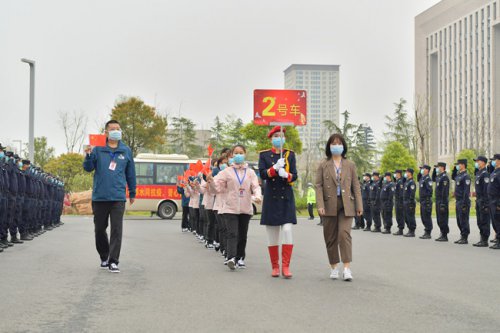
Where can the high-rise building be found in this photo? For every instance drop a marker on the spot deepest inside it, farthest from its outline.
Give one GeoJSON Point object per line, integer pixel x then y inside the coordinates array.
{"type": "Point", "coordinates": [457, 72]}
{"type": "Point", "coordinates": [322, 85]}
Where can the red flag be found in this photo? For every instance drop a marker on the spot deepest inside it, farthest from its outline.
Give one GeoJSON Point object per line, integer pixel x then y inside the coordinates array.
{"type": "Point", "coordinates": [206, 167]}
{"type": "Point", "coordinates": [210, 150]}
{"type": "Point", "coordinates": [198, 167]}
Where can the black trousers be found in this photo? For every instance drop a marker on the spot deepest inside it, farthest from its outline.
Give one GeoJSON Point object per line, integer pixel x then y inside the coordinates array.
{"type": "Point", "coordinates": [194, 216]}
{"type": "Point", "coordinates": [495, 217]}
{"type": "Point", "coordinates": [426, 213]}
{"type": "Point", "coordinates": [376, 215]}
{"type": "Point", "coordinates": [442, 213]}
{"type": "Point", "coordinates": [400, 215]}
{"type": "Point", "coordinates": [367, 213]}
{"type": "Point", "coordinates": [483, 217]}
{"type": "Point", "coordinates": [104, 211]}
{"type": "Point", "coordinates": [387, 215]}
{"type": "Point", "coordinates": [201, 221]}
{"type": "Point", "coordinates": [463, 209]}
{"type": "Point", "coordinates": [310, 210]}
{"type": "Point", "coordinates": [210, 226]}
{"type": "Point", "coordinates": [237, 231]}
{"type": "Point", "coordinates": [185, 217]}
{"type": "Point", "coordinates": [221, 221]}
{"type": "Point", "coordinates": [409, 208]}
{"type": "Point", "coordinates": [216, 226]}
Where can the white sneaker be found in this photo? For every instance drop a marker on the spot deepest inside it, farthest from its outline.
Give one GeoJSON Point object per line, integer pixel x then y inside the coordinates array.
{"type": "Point", "coordinates": [347, 274]}
{"type": "Point", "coordinates": [334, 274]}
{"type": "Point", "coordinates": [113, 268]}
{"type": "Point", "coordinates": [231, 263]}
{"type": "Point", "coordinates": [241, 264]}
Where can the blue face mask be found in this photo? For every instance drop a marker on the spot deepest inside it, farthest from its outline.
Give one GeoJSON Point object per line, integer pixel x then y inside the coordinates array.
{"type": "Point", "coordinates": [223, 166]}
{"type": "Point", "coordinates": [457, 167]}
{"type": "Point", "coordinates": [239, 158]}
{"type": "Point", "coordinates": [336, 150]}
{"type": "Point", "coordinates": [115, 135]}
{"type": "Point", "coordinates": [394, 175]}
{"type": "Point", "coordinates": [385, 180]}
{"type": "Point", "coordinates": [231, 161]}
{"type": "Point", "coordinates": [476, 165]}
{"type": "Point", "coordinates": [494, 163]}
{"type": "Point", "coordinates": [406, 175]}
{"type": "Point", "coordinates": [20, 165]}
{"type": "Point", "coordinates": [2, 154]}
{"type": "Point", "coordinates": [422, 171]}
{"type": "Point", "coordinates": [278, 142]}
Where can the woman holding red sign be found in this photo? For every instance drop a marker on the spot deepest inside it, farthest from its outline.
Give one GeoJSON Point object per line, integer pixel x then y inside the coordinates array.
{"type": "Point", "coordinates": [277, 168]}
{"type": "Point", "coordinates": [240, 183]}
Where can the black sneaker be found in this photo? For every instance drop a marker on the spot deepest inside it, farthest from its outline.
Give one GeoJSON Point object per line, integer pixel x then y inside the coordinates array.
{"type": "Point", "coordinates": [15, 240]}
{"type": "Point", "coordinates": [104, 264]}
{"type": "Point", "coordinates": [113, 268]}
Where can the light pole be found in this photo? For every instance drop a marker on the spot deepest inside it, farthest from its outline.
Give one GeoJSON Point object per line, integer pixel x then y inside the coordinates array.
{"type": "Point", "coordinates": [31, 142]}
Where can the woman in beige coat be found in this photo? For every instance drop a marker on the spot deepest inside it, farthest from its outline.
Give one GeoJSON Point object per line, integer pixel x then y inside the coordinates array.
{"type": "Point", "coordinates": [338, 197]}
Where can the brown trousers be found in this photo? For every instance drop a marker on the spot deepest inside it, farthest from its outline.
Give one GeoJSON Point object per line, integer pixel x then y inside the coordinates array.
{"type": "Point", "coordinates": [337, 233]}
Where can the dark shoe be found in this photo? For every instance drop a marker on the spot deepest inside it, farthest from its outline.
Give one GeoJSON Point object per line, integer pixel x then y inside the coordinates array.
{"type": "Point", "coordinates": [355, 228]}
{"type": "Point", "coordinates": [15, 240]}
{"type": "Point", "coordinates": [6, 242]}
{"type": "Point", "coordinates": [494, 240]}
{"type": "Point", "coordinates": [367, 229]}
{"type": "Point", "coordinates": [410, 233]}
{"type": "Point", "coordinates": [319, 223]}
{"type": "Point", "coordinates": [462, 240]}
{"type": "Point", "coordinates": [398, 233]}
{"type": "Point", "coordinates": [386, 231]}
{"type": "Point", "coordinates": [482, 243]}
{"type": "Point", "coordinates": [48, 228]}
{"type": "Point", "coordinates": [442, 238]}
{"type": "Point", "coordinates": [495, 246]}
{"type": "Point", "coordinates": [376, 230]}
{"type": "Point", "coordinates": [426, 235]}
{"type": "Point", "coordinates": [26, 237]}
{"type": "Point", "coordinates": [3, 246]}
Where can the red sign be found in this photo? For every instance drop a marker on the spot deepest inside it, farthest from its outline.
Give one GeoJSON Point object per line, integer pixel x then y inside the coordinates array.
{"type": "Point", "coordinates": [279, 106]}
{"type": "Point", "coordinates": [156, 192]}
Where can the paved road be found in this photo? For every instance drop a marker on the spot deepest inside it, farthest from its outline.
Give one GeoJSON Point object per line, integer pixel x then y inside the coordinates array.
{"type": "Point", "coordinates": [169, 283]}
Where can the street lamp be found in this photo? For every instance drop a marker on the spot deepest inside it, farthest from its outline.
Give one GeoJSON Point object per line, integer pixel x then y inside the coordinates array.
{"type": "Point", "coordinates": [31, 141]}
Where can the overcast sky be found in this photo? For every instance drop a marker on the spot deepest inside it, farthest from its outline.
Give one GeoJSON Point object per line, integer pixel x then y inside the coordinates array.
{"type": "Point", "coordinates": [207, 55]}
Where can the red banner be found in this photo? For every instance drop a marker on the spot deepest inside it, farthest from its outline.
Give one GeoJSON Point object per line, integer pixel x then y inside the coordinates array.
{"type": "Point", "coordinates": [156, 192]}
{"type": "Point", "coordinates": [280, 106]}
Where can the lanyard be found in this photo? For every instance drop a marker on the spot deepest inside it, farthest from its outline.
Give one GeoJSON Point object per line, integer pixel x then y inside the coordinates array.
{"type": "Point", "coordinates": [338, 170]}
{"type": "Point", "coordinates": [238, 177]}
{"type": "Point", "coordinates": [112, 154]}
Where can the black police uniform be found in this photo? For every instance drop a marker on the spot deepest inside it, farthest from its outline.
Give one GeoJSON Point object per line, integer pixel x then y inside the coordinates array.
{"type": "Point", "coordinates": [442, 201]}
{"type": "Point", "coordinates": [494, 201]}
{"type": "Point", "coordinates": [483, 205]}
{"type": "Point", "coordinates": [409, 206]}
{"type": "Point", "coordinates": [278, 205]}
{"type": "Point", "coordinates": [367, 210]}
{"type": "Point", "coordinates": [425, 194]}
{"type": "Point", "coordinates": [462, 193]}
{"type": "Point", "coordinates": [398, 197]}
{"type": "Point", "coordinates": [375, 204]}
{"type": "Point", "coordinates": [387, 201]}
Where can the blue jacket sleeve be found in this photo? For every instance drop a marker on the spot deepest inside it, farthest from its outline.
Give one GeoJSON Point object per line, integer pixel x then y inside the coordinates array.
{"type": "Point", "coordinates": [89, 162]}
{"type": "Point", "coordinates": [130, 174]}
{"type": "Point", "coordinates": [180, 190]}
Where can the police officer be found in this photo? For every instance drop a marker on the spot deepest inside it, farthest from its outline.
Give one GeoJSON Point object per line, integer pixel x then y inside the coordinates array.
{"type": "Point", "coordinates": [398, 196]}
{"type": "Point", "coordinates": [375, 201]}
{"type": "Point", "coordinates": [13, 175]}
{"type": "Point", "coordinates": [462, 192]}
{"type": "Point", "coordinates": [494, 199]}
{"type": "Point", "coordinates": [27, 207]}
{"type": "Point", "coordinates": [425, 193]}
{"type": "Point", "coordinates": [409, 203]}
{"type": "Point", "coordinates": [387, 201]}
{"type": "Point", "coordinates": [442, 181]}
{"type": "Point", "coordinates": [4, 187]}
{"type": "Point", "coordinates": [482, 202]}
{"type": "Point", "coordinates": [365, 195]}
{"type": "Point", "coordinates": [359, 222]}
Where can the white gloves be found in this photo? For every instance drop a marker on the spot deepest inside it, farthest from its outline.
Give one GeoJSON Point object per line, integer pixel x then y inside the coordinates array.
{"type": "Point", "coordinates": [282, 173]}
{"type": "Point", "coordinates": [280, 164]}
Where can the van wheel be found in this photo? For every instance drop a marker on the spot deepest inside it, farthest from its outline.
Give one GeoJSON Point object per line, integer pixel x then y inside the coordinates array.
{"type": "Point", "coordinates": [167, 210]}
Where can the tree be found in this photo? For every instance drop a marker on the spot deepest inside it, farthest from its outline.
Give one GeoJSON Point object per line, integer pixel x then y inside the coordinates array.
{"type": "Point", "coordinates": [74, 126]}
{"type": "Point", "coordinates": [67, 167]}
{"type": "Point", "coordinates": [422, 127]}
{"type": "Point", "coordinates": [217, 139]}
{"type": "Point", "coordinates": [43, 153]}
{"type": "Point", "coordinates": [400, 127]}
{"type": "Point", "coordinates": [396, 156]}
{"type": "Point", "coordinates": [469, 155]}
{"type": "Point", "coordinates": [257, 139]}
{"type": "Point", "coordinates": [232, 131]}
{"type": "Point", "coordinates": [143, 128]}
{"type": "Point", "coordinates": [181, 137]}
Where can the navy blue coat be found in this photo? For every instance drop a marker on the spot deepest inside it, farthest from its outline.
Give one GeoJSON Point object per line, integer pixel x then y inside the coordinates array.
{"type": "Point", "coordinates": [278, 207]}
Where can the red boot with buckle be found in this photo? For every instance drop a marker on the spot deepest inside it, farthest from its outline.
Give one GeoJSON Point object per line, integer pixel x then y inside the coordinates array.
{"type": "Point", "coordinates": [274, 254]}
{"type": "Point", "coordinates": [286, 255]}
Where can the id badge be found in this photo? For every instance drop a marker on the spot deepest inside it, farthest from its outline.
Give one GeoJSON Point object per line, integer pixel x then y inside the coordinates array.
{"type": "Point", "coordinates": [112, 165]}
{"type": "Point", "coordinates": [242, 193]}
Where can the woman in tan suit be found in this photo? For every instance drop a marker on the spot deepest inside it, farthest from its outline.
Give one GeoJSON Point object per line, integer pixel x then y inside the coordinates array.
{"type": "Point", "coordinates": [338, 200]}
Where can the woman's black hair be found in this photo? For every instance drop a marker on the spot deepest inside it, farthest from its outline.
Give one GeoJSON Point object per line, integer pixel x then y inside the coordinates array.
{"type": "Point", "coordinates": [236, 146]}
{"type": "Point", "coordinates": [224, 151]}
{"type": "Point", "coordinates": [332, 138]}
{"type": "Point", "coordinates": [220, 160]}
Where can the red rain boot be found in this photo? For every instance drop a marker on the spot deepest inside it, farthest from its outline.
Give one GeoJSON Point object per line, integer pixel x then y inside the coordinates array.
{"type": "Point", "coordinates": [286, 255]}
{"type": "Point", "coordinates": [274, 254]}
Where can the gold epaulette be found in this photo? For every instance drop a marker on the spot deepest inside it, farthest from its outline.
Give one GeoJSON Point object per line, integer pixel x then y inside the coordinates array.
{"type": "Point", "coordinates": [264, 150]}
